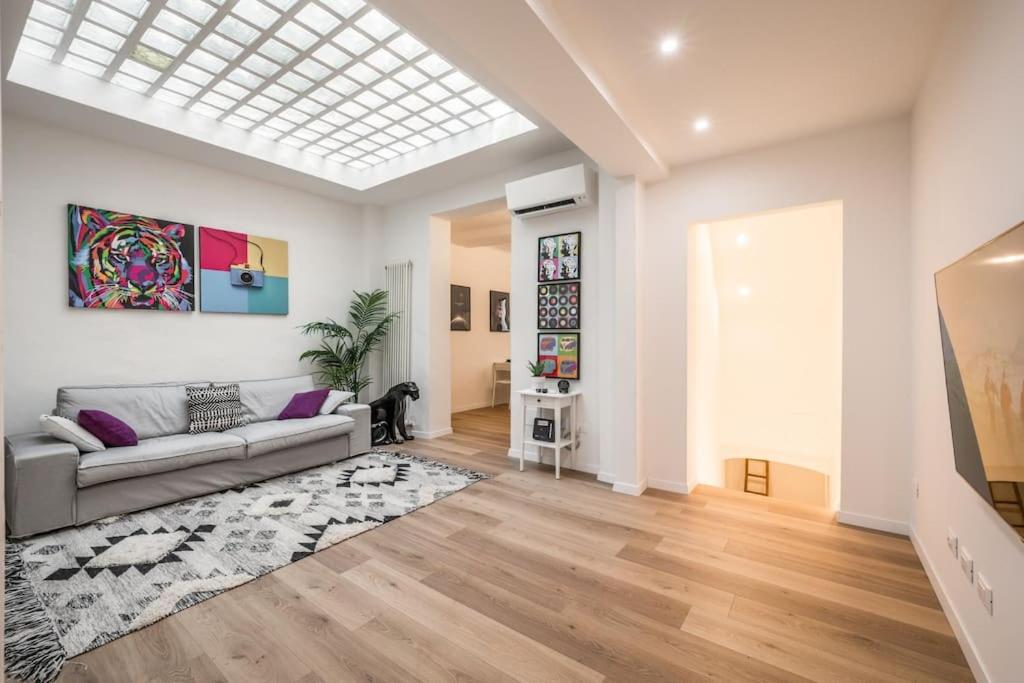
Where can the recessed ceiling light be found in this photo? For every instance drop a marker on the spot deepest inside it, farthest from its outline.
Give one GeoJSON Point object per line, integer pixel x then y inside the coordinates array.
{"type": "Point", "coordinates": [744, 291]}
{"type": "Point", "coordinates": [701, 124]}
{"type": "Point", "coordinates": [669, 45]}
{"type": "Point", "coordinates": [742, 240]}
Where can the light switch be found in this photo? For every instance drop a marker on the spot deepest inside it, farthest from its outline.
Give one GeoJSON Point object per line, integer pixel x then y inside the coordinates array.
{"type": "Point", "coordinates": [984, 593]}
{"type": "Point", "coordinates": [967, 565]}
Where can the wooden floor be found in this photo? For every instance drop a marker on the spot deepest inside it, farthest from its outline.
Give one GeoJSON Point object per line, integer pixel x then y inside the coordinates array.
{"type": "Point", "coordinates": [524, 578]}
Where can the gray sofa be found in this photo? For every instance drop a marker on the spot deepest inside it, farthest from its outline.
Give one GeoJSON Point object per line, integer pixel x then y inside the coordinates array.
{"type": "Point", "coordinates": [49, 484]}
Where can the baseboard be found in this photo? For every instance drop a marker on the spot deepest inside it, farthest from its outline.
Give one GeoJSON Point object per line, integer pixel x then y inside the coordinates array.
{"type": "Point", "coordinates": [667, 485]}
{"type": "Point", "coordinates": [436, 434]}
{"type": "Point", "coordinates": [630, 489]}
{"type": "Point", "coordinates": [589, 468]}
{"type": "Point", "coordinates": [966, 644]}
{"type": "Point", "coordinates": [876, 523]}
{"type": "Point", "coordinates": [478, 406]}
{"type": "Point", "coordinates": [606, 477]}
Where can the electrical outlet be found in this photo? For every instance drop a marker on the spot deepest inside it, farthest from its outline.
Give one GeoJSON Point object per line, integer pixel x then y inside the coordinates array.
{"type": "Point", "coordinates": [967, 565]}
{"type": "Point", "coordinates": [984, 593]}
{"type": "Point", "coordinates": [953, 542]}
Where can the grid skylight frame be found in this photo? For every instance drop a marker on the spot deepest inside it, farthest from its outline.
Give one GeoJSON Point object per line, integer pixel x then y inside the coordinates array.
{"type": "Point", "coordinates": [359, 93]}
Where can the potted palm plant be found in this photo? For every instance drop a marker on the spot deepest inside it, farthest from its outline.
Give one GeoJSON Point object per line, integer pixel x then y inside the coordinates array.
{"type": "Point", "coordinates": [343, 350]}
{"type": "Point", "coordinates": [536, 368]}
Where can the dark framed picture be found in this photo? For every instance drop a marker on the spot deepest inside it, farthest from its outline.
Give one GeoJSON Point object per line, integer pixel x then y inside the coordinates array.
{"type": "Point", "coordinates": [499, 313]}
{"type": "Point", "coordinates": [558, 257]}
{"type": "Point", "coordinates": [460, 309]}
{"type": "Point", "coordinates": [560, 353]}
{"type": "Point", "coordinates": [558, 306]}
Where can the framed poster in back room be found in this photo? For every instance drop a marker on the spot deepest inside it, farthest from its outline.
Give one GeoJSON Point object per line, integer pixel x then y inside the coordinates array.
{"type": "Point", "coordinates": [461, 309]}
{"type": "Point", "coordinates": [558, 257]}
{"type": "Point", "coordinates": [242, 273]}
{"type": "Point", "coordinates": [982, 335]}
{"type": "Point", "coordinates": [124, 261]}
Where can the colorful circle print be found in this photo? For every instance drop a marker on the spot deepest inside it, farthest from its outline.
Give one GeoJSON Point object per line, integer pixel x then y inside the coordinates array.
{"type": "Point", "coordinates": [558, 306]}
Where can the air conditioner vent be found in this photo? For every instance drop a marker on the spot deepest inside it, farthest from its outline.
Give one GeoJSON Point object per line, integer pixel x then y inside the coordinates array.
{"type": "Point", "coordinates": [559, 190]}
{"type": "Point", "coordinates": [546, 207]}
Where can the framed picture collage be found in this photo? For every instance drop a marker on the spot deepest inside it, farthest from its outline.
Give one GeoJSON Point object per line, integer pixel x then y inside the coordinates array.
{"type": "Point", "coordinates": [559, 304]}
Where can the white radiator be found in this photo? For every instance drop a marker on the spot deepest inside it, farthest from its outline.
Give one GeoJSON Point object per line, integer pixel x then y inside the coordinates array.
{"type": "Point", "coordinates": [397, 356]}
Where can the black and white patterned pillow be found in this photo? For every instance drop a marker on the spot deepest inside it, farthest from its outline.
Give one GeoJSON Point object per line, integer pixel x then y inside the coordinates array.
{"type": "Point", "coordinates": [213, 408]}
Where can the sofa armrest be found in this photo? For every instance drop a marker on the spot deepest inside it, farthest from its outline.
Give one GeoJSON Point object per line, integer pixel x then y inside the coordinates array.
{"type": "Point", "coordinates": [359, 438]}
{"type": "Point", "coordinates": [40, 483]}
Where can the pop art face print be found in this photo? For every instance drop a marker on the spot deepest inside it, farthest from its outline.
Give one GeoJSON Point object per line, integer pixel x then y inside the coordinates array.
{"type": "Point", "coordinates": [558, 257]}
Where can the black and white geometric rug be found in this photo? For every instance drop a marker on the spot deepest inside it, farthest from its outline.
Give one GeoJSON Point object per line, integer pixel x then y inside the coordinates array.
{"type": "Point", "coordinates": [73, 590]}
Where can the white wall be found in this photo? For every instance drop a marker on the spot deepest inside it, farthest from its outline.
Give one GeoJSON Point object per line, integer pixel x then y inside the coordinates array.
{"type": "Point", "coordinates": [868, 169]}
{"type": "Point", "coordinates": [49, 345]}
{"type": "Point", "coordinates": [482, 269]}
{"type": "Point", "coordinates": [967, 188]}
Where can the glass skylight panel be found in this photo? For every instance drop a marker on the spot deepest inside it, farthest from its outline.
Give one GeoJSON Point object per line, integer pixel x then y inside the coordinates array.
{"type": "Point", "coordinates": [197, 10]}
{"type": "Point", "coordinates": [413, 102]}
{"type": "Point", "coordinates": [318, 150]}
{"type": "Point", "coordinates": [389, 89]}
{"type": "Point", "coordinates": [159, 40]}
{"type": "Point", "coordinates": [309, 107]}
{"type": "Point", "coordinates": [410, 77]}
{"type": "Point", "coordinates": [307, 135]}
{"type": "Point", "coordinates": [407, 46]}
{"type": "Point", "coordinates": [154, 58]}
{"type": "Point", "coordinates": [331, 56]}
{"type": "Point", "coordinates": [474, 118]}
{"type": "Point", "coordinates": [215, 99]}
{"type": "Point", "coordinates": [362, 73]}
{"type": "Point", "coordinates": [237, 31]}
{"type": "Point", "coordinates": [329, 143]}
{"type": "Point", "coordinates": [34, 47]}
{"type": "Point", "coordinates": [434, 65]}
{"type": "Point", "coordinates": [372, 159]}
{"type": "Point", "coordinates": [335, 119]}
{"type": "Point", "coordinates": [245, 78]}
{"type": "Point", "coordinates": [83, 65]}
{"type": "Point", "coordinates": [381, 138]}
{"type": "Point", "coordinates": [497, 109]}
{"type": "Point", "coordinates": [342, 85]}
{"type": "Point", "coordinates": [353, 41]}
{"type": "Point", "coordinates": [292, 141]}
{"type": "Point", "coordinates": [265, 103]}
{"type": "Point", "coordinates": [192, 74]}
{"type": "Point", "coordinates": [132, 7]}
{"type": "Point", "coordinates": [313, 69]}
{"type": "Point", "coordinates": [352, 109]}
{"type": "Point", "coordinates": [295, 81]}
{"type": "Point", "coordinates": [267, 132]}
{"type": "Point", "coordinates": [100, 35]}
{"type": "Point", "coordinates": [456, 81]}
{"type": "Point", "coordinates": [42, 32]}
{"type": "Point", "coordinates": [221, 47]}
{"type": "Point", "coordinates": [50, 15]}
{"type": "Point", "coordinates": [356, 164]}
{"type": "Point", "coordinates": [344, 136]}
{"type": "Point", "coordinates": [255, 12]}
{"type": "Point", "coordinates": [205, 60]}
{"type": "Point", "coordinates": [436, 134]}
{"type": "Point", "coordinates": [386, 153]}
{"type": "Point", "coordinates": [111, 19]}
{"type": "Point", "coordinates": [358, 128]}
{"type": "Point", "coordinates": [206, 110]}
{"type": "Point", "coordinates": [383, 60]}
{"type": "Point", "coordinates": [325, 96]}
{"type": "Point", "coordinates": [454, 126]}
{"type": "Point", "coordinates": [67, 5]}
{"type": "Point", "coordinates": [434, 115]}
{"type": "Point", "coordinates": [317, 18]}
{"type": "Point", "coordinates": [140, 71]}
{"type": "Point", "coordinates": [418, 140]}
{"type": "Point", "coordinates": [171, 97]}
{"type": "Point", "coordinates": [376, 24]}
{"type": "Point", "coordinates": [251, 113]}
{"type": "Point", "coordinates": [478, 96]}
{"type": "Point", "coordinates": [434, 92]}
{"type": "Point", "coordinates": [296, 35]}
{"type": "Point", "coordinates": [263, 67]}
{"type": "Point", "coordinates": [416, 123]}
{"type": "Point", "coordinates": [398, 131]}
{"type": "Point", "coordinates": [455, 106]}
{"type": "Point", "coordinates": [376, 120]}
{"type": "Point", "coordinates": [369, 99]}
{"type": "Point", "coordinates": [283, 5]}
{"type": "Point", "coordinates": [176, 25]}
{"type": "Point", "coordinates": [83, 48]}
{"type": "Point", "coordinates": [130, 82]}
{"type": "Point", "coordinates": [238, 121]}
{"type": "Point", "coordinates": [366, 145]}
{"type": "Point", "coordinates": [278, 93]}
{"type": "Point", "coordinates": [295, 116]}
{"type": "Point", "coordinates": [393, 111]}
{"type": "Point", "coordinates": [402, 147]}
{"type": "Point", "coordinates": [181, 86]}
{"type": "Point", "coordinates": [230, 89]}
{"type": "Point", "coordinates": [280, 124]}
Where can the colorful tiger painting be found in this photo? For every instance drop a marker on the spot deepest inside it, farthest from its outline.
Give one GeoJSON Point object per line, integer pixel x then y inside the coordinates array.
{"type": "Point", "coordinates": [119, 260]}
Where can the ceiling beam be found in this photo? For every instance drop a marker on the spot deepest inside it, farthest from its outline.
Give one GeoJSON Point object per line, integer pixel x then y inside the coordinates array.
{"type": "Point", "coordinates": [510, 48]}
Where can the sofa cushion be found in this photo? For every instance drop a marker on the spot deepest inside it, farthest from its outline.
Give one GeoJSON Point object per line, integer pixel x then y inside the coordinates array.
{"type": "Point", "coordinates": [266, 437]}
{"type": "Point", "coordinates": [159, 454]}
{"type": "Point", "coordinates": [151, 409]}
{"type": "Point", "coordinates": [264, 399]}
{"type": "Point", "coordinates": [213, 408]}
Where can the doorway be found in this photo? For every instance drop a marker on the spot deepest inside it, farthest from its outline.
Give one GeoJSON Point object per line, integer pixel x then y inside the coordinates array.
{"type": "Point", "coordinates": [765, 354]}
{"type": "Point", "coordinates": [480, 268]}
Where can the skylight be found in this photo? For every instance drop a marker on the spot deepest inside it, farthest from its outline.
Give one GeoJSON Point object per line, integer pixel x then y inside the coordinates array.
{"type": "Point", "coordinates": [333, 78]}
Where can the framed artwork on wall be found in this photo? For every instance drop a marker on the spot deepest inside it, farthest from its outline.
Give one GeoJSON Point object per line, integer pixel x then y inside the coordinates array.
{"type": "Point", "coordinates": [121, 260]}
{"type": "Point", "coordinates": [560, 353]}
{"type": "Point", "coordinates": [558, 257]}
{"type": "Point", "coordinates": [558, 306]}
{"type": "Point", "coordinates": [242, 273]}
{"type": "Point", "coordinates": [460, 309]}
{"type": "Point", "coordinates": [500, 321]}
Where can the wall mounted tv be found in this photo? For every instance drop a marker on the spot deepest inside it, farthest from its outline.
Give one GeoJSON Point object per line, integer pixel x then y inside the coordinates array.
{"type": "Point", "coordinates": [981, 324]}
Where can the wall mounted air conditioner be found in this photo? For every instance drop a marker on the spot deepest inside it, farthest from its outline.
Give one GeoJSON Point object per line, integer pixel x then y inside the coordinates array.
{"type": "Point", "coordinates": [560, 190]}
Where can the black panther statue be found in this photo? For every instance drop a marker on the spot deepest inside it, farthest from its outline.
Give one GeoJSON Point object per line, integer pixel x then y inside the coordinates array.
{"type": "Point", "coordinates": [387, 414]}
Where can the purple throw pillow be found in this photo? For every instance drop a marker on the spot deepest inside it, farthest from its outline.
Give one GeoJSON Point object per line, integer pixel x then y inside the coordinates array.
{"type": "Point", "coordinates": [304, 404]}
{"type": "Point", "coordinates": [107, 428]}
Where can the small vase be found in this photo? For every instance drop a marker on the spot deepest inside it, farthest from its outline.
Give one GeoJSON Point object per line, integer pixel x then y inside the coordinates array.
{"type": "Point", "coordinates": [538, 382]}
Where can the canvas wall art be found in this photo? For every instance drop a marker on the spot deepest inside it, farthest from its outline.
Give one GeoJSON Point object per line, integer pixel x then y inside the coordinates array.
{"type": "Point", "coordinates": [499, 312]}
{"type": "Point", "coordinates": [558, 306]}
{"type": "Point", "coordinates": [461, 309]}
{"type": "Point", "coordinates": [560, 353]}
{"type": "Point", "coordinates": [982, 336]}
{"type": "Point", "coordinates": [242, 273]}
{"type": "Point", "coordinates": [121, 260]}
{"type": "Point", "coordinates": [558, 257]}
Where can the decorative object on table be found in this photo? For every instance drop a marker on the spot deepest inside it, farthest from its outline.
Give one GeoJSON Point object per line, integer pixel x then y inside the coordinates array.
{"type": "Point", "coordinates": [558, 306]}
{"type": "Point", "coordinates": [543, 429]}
{"type": "Point", "coordinates": [499, 312]}
{"type": "Point", "coordinates": [343, 350]}
{"type": "Point", "coordinates": [242, 273]}
{"type": "Point", "coordinates": [120, 260]}
{"type": "Point", "coordinates": [558, 257]}
{"type": "Point", "coordinates": [982, 335]}
{"type": "Point", "coordinates": [563, 386]}
{"type": "Point", "coordinates": [389, 411]}
{"type": "Point", "coordinates": [461, 309]}
{"type": "Point", "coordinates": [560, 353]}
{"type": "Point", "coordinates": [537, 379]}
{"type": "Point", "coordinates": [70, 591]}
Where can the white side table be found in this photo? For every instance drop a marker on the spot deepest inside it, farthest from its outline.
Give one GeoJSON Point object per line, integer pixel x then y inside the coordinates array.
{"type": "Point", "coordinates": [556, 402]}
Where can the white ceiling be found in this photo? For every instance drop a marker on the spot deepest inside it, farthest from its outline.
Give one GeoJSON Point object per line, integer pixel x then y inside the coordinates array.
{"type": "Point", "coordinates": [490, 228]}
{"type": "Point", "coordinates": [762, 71]}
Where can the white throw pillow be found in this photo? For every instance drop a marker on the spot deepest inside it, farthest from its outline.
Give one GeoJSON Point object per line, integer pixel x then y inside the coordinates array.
{"type": "Point", "coordinates": [333, 400]}
{"type": "Point", "coordinates": [68, 430]}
